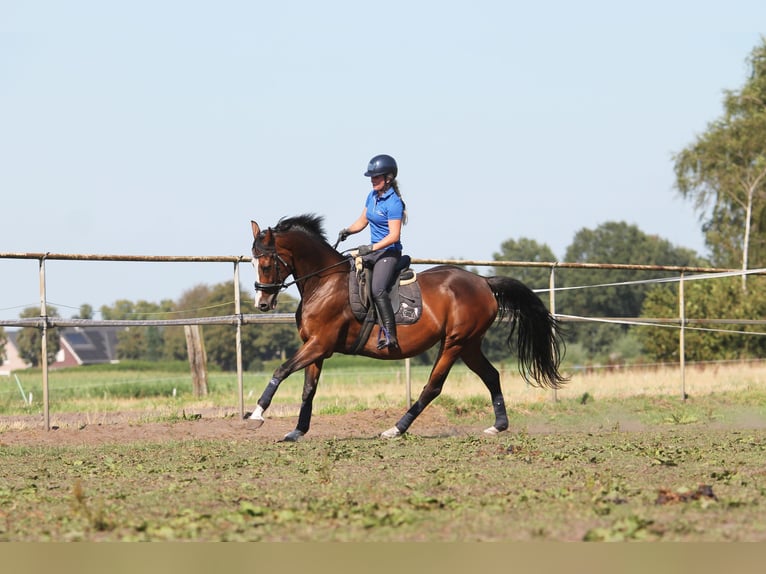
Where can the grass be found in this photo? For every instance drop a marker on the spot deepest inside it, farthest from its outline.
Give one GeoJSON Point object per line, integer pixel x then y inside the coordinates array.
{"type": "Point", "coordinates": [350, 384]}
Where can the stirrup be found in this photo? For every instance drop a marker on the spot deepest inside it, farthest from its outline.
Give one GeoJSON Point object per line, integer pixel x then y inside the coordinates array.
{"type": "Point", "coordinates": [384, 340]}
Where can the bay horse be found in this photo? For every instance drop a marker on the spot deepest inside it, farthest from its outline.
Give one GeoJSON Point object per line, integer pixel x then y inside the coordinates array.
{"type": "Point", "coordinates": [458, 307]}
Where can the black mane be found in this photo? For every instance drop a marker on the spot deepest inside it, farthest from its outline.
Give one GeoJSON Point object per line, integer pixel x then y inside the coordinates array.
{"type": "Point", "coordinates": [310, 223]}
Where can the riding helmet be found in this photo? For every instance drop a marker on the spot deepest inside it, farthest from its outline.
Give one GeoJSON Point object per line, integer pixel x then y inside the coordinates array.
{"type": "Point", "coordinates": [382, 165]}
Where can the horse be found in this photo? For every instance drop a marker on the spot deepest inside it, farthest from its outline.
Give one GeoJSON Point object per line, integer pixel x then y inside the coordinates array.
{"type": "Point", "coordinates": [458, 307]}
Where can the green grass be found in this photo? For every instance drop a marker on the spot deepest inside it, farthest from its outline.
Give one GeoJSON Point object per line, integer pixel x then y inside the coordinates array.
{"type": "Point", "coordinates": [351, 383]}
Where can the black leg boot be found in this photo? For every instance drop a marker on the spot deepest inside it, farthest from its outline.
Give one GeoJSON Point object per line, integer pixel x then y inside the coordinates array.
{"type": "Point", "coordinates": [386, 314]}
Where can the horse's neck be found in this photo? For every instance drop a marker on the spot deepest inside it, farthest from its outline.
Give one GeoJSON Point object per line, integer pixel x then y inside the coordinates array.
{"type": "Point", "coordinates": [310, 264]}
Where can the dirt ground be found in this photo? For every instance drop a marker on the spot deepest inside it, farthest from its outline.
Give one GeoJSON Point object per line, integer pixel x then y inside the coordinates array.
{"type": "Point", "coordinates": [215, 424]}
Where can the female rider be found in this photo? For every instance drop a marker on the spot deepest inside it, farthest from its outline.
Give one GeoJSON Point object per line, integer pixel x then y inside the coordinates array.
{"type": "Point", "coordinates": [385, 212]}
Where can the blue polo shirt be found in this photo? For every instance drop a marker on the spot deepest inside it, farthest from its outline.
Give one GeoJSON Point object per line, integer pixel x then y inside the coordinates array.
{"type": "Point", "coordinates": [380, 210]}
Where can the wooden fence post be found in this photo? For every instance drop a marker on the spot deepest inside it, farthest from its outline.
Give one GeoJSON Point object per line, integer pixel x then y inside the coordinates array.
{"type": "Point", "coordinates": [552, 311]}
{"type": "Point", "coordinates": [195, 346]}
{"type": "Point", "coordinates": [682, 335]}
{"type": "Point", "coordinates": [44, 345]}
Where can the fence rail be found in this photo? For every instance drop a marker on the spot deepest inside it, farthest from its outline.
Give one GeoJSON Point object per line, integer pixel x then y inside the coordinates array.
{"type": "Point", "coordinates": [45, 322]}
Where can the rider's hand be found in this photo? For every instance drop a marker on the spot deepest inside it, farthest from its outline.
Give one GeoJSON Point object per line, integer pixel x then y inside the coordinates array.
{"type": "Point", "coordinates": [343, 235]}
{"type": "Point", "coordinates": [364, 249]}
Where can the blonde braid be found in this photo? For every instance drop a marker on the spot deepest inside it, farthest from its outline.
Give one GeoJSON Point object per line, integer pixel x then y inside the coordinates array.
{"type": "Point", "coordinates": [395, 185]}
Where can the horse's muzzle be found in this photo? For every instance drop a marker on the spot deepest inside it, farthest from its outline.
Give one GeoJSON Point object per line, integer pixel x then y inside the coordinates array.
{"type": "Point", "coordinates": [265, 301]}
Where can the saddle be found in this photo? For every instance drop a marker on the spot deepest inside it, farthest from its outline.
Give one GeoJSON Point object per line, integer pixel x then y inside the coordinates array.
{"type": "Point", "coordinates": [404, 293]}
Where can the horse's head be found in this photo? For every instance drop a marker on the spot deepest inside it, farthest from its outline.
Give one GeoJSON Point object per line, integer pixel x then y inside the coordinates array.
{"type": "Point", "coordinates": [294, 246]}
{"type": "Point", "coordinates": [272, 270]}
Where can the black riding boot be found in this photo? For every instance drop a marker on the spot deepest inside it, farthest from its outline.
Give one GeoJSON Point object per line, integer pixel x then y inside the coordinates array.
{"type": "Point", "coordinates": [386, 314]}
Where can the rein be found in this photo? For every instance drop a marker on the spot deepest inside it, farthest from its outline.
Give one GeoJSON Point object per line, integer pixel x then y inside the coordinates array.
{"type": "Point", "coordinates": [283, 284]}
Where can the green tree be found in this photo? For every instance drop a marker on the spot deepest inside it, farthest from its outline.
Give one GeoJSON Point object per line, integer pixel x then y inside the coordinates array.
{"type": "Point", "coordinates": [194, 302]}
{"type": "Point", "coordinates": [144, 343]}
{"type": "Point", "coordinates": [259, 342]}
{"type": "Point", "coordinates": [131, 344]}
{"type": "Point", "coordinates": [86, 312]}
{"type": "Point", "coordinates": [125, 309]}
{"type": "Point", "coordinates": [529, 251]}
{"type": "Point", "coordinates": [29, 339]}
{"type": "Point", "coordinates": [276, 341]}
{"type": "Point", "coordinates": [121, 309]}
{"type": "Point", "coordinates": [719, 298]}
{"type": "Point", "coordinates": [605, 292]}
{"type": "Point", "coordinates": [724, 173]}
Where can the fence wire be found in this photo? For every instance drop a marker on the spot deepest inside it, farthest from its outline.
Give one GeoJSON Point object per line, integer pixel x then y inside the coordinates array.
{"type": "Point", "coordinates": [237, 320]}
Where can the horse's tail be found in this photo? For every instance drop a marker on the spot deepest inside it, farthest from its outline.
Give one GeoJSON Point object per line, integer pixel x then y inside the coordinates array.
{"type": "Point", "coordinates": [540, 345]}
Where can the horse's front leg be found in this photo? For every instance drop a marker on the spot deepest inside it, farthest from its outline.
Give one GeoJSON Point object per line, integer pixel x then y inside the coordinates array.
{"type": "Point", "coordinates": [307, 354]}
{"type": "Point", "coordinates": [310, 382]}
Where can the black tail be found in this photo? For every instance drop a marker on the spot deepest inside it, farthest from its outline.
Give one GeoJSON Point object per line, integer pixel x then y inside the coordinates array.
{"type": "Point", "coordinates": [540, 344]}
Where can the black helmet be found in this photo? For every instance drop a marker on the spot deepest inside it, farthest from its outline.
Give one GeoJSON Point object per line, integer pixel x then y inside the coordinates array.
{"type": "Point", "coordinates": [382, 165]}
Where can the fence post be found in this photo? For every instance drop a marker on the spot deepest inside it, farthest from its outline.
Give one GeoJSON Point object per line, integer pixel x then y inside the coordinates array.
{"type": "Point", "coordinates": [44, 345]}
{"type": "Point", "coordinates": [682, 335]}
{"type": "Point", "coordinates": [195, 346]}
{"type": "Point", "coordinates": [408, 382]}
{"type": "Point", "coordinates": [238, 313]}
{"type": "Point", "coordinates": [552, 305]}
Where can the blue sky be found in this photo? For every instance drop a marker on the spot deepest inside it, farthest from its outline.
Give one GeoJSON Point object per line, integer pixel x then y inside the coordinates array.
{"type": "Point", "coordinates": [163, 127]}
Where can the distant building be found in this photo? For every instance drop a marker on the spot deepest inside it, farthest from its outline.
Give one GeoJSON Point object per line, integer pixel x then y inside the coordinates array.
{"type": "Point", "coordinates": [13, 362]}
{"type": "Point", "coordinates": [78, 346]}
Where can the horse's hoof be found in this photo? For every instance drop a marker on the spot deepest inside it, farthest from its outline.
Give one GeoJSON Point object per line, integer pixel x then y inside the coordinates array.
{"type": "Point", "coordinates": [293, 436]}
{"type": "Point", "coordinates": [492, 431]}
{"type": "Point", "coordinates": [393, 432]}
{"type": "Point", "coordinates": [254, 423]}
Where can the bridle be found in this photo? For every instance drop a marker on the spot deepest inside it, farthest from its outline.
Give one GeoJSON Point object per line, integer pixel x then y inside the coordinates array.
{"type": "Point", "coordinates": [277, 259]}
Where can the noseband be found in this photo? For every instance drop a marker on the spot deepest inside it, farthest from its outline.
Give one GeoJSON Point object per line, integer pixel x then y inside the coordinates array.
{"type": "Point", "coordinates": [276, 259]}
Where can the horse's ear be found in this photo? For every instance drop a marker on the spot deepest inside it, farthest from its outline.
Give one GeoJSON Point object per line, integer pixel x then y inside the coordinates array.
{"type": "Point", "coordinates": [256, 229]}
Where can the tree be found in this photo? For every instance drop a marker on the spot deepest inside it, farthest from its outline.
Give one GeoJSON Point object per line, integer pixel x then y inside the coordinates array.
{"type": "Point", "coordinates": [146, 343]}
{"type": "Point", "coordinates": [527, 250]}
{"type": "Point", "coordinates": [615, 242]}
{"type": "Point", "coordinates": [191, 303]}
{"type": "Point", "coordinates": [610, 296]}
{"type": "Point", "coordinates": [86, 312]}
{"type": "Point", "coordinates": [29, 339]}
{"type": "Point", "coordinates": [276, 341]}
{"type": "Point", "coordinates": [724, 173]}
{"type": "Point", "coordinates": [718, 297]}
{"type": "Point", "coordinates": [259, 342]}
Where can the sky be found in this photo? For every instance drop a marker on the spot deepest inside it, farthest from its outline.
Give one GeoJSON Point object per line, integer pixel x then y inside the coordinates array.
{"type": "Point", "coordinates": [163, 127]}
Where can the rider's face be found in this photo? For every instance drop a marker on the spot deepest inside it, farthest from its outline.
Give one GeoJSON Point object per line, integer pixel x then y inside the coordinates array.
{"type": "Point", "coordinates": [378, 182]}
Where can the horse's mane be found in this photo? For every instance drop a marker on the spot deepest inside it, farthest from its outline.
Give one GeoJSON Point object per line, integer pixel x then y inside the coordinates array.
{"type": "Point", "coordinates": [309, 222]}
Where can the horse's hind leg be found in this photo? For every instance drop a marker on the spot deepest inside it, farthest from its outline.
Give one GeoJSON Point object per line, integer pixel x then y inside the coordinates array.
{"type": "Point", "coordinates": [475, 360]}
{"type": "Point", "coordinates": [310, 382]}
{"type": "Point", "coordinates": [433, 388]}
